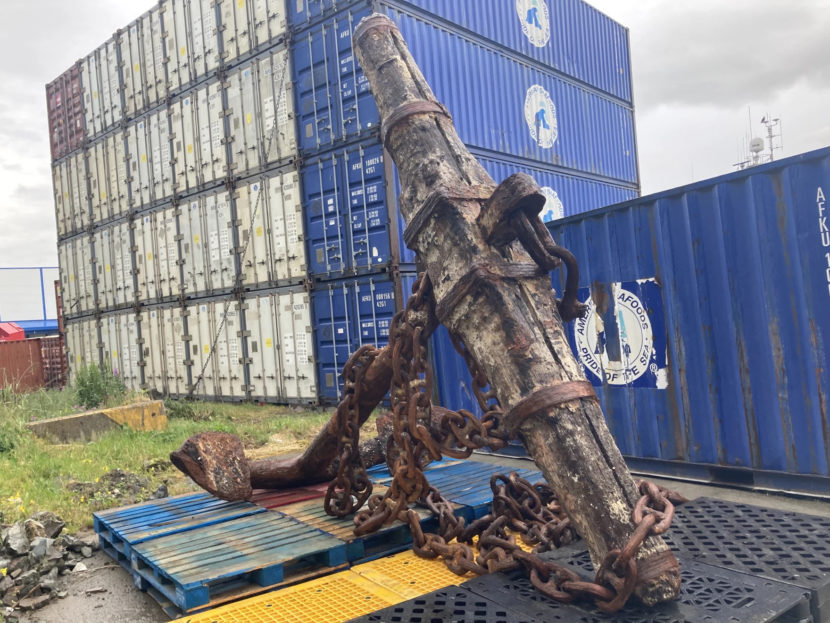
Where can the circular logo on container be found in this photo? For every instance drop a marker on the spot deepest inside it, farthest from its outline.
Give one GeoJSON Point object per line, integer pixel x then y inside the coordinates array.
{"type": "Point", "coordinates": [635, 339]}
{"type": "Point", "coordinates": [535, 20]}
{"type": "Point", "coordinates": [540, 114]}
{"type": "Point", "coordinates": [553, 209]}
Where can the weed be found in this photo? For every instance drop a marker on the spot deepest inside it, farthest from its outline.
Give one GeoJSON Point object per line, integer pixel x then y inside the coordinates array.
{"type": "Point", "coordinates": [96, 386]}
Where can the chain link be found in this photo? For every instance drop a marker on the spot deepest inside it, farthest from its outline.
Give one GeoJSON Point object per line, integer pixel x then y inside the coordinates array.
{"type": "Point", "coordinates": [519, 507]}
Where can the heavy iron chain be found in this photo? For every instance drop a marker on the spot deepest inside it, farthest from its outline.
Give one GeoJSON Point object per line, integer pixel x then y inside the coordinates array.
{"type": "Point", "coordinates": [519, 507]}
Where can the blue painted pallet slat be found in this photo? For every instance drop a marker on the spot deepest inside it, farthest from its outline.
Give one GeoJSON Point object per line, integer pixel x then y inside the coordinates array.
{"type": "Point", "coordinates": [387, 540]}
{"type": "Point", "coordinates": [128, 526]}
{"type": "Point", "coordinates": [193, 568]}
{"type": "Point", "coordinates": [380, 473]}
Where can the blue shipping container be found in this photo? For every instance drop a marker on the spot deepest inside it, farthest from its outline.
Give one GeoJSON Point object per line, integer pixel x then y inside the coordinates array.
{"type": "Point", "coordinates": [500, 102]}
{"type": "Point", "coordinates": [567, 35]}
{"type": "Point", "coordinates": [714, 345]}
{"type": "Point", "coordinates": [349, 313]}
{"type": "Point", "coordinates": [349, 226]}
{"type": "Point", "coordinates": [567, 195]}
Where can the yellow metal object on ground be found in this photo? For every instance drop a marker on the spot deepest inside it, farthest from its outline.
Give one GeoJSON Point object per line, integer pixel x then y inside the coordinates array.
{"type": "Point", "coordinates": [409, 575]}
{"type": "Point", "coordinates": [143, 416]}
{"type": "Point", "coordinates": [332, 599]}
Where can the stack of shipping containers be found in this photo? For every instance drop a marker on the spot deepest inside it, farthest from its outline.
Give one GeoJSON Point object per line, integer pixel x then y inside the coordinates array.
{"type": "Point", "coordinates": [226, 214]}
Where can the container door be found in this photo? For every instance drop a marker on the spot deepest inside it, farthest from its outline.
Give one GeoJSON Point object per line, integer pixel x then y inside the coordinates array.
{"type": "Point", "coordinates": [66, 272]}
{"type": "Point", "coordinates": [139, 165]}
{"type": "Point", "coordinates": [243, 118]}
{"type": "Point", "coordinates": [96, 164]}
{"type": "Point", "coordinates": [143, 235]}
{"type": "Point", "coordinates": [284, 218]}
{"type": "Point", "coordinates": [204, 50]}
{"type": "Point", "coordinates": [371, 240]}
{"type": "Point", "coordinates": [377, 303]}
{"type": "Point", "coordinates": [175, 351]}
{"type": "Point", "coordinates": [333, 317]}
{"type": "Point", "coordinates": [110, 350]}
{"type": "Point", "coordinates": [153, 50]}
{"type": "Point", "coordinates": [89, 87]}
{"type": "Point", "coordinates": [117, 175]}
{"type": "Point", "coordinates": [276, 103]}
{"type": "Point", "coordinates": [168, 253]}
{"type": "Point", "coordinates": [230, 377]}
{"type": "Point", "coordinates": [213, 162]}
{"type": "Point", "coordinates": [123, 264]}
{"type": "Point", "coordinates": [77, 179]}
{"type": "Point", "coordinates": [58, 193]}
{"type": "Point", "coordinates": [236, 33]}
{"type": "Point", "coordinates": [115, 113]}
{"type": "Point", "coordinates": [269, 22]}
{"type": "Point", "coordinates": [250, 198]}
{"type": "Point", "coordinates": [131, 67]}
{"type": "Point", "coordinates": [86, 270]}
{"type": "Point", "coordinates": [322, 199]}
{"type": "Point", "coordinates": [174, 23]}
{"type": "Point", "coordinates": [152, 351]}
{"type": "Point", "coordinates": [130, 353]}
{"type": "Point", "coordinates": [203, 374]}
{"type": "Point", "coordinates": [193, 249]}
{"type": "Point", "coordinates": [263, 349]}
{"type": "Point", "coordinates": [316, 93]}
{"type": "Point", "coordinates": [218, 230]}
{"type": "Point", "coordinates": [103, 268]}
{"type": "Point", "coordinates": [185, 157]}
{"type": "Point", "coordinates": [297, 346]}
{"type": "Point", "coordinates": [161, 173]}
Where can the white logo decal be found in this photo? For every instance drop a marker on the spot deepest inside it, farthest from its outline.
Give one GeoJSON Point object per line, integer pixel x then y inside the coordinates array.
{"type": "Point", "coordinates": [540, 114]}
{"type": "Point", "coordinates": [553, 209]}
{"type": "Point", "coordinates": [635, 338]}
{"type": "Point", "coordinates": [535, 20]}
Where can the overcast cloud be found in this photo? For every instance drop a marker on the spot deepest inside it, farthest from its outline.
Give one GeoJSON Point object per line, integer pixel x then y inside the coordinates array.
{"type": "Point", "coordinates": [697, 67]}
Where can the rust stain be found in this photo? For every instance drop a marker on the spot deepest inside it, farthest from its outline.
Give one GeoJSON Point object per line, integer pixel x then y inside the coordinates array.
{"type": "Point", "coordinates": [749, 407]}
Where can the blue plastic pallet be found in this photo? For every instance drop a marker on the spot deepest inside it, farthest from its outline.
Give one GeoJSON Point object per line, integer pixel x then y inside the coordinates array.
{"type": "Point", "coordinates": [380, 473]}
{"type": "Point", "coordinates": [388, 540]}
{"type": "Point", "coordinates": [246, 555]}
{"type": "Point", "coordinates": [123, 528]}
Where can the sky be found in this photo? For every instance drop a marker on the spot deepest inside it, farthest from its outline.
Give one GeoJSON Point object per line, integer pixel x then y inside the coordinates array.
{"type": "Point", "coordinates": [698, 68]}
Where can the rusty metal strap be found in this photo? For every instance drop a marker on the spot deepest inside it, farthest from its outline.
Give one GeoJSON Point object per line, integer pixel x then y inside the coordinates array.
{"type": "Point", "coordinates": [438, 198]}
{"type": "Point", "coordinates": [404, 111]}
{"type": "Point", "coordinates": [483, 272]}
{"type": "Point", "coordinates": [547, 398]}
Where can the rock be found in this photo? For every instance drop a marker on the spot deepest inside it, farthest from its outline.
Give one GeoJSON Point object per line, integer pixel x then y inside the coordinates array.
{"type": "Point", "coordinates": [33, 529]}
{"type": "Point", "coordinates": [79, 567]}
{"type": "Point", "coordinates": [17, 543]}
{"type": "Point", "coordinates": [19, 565]}
{"type": "Point", "coordinates": [33, 603]}
{"type": "Point", "coordinates": [39, 546]}
{"type": "Point", "coordinates": [70, 542]}
{"type": "Point", "coordinates": [52, 524]}
{"type": "Point", "coordinates": [62, 594]}
{"type": "Point", "coordinates": [5, 584]}
{"type": "Point", "coordinates": [27, 580]}
{"type": "Point", "coordinates": [159, 493]}
{"type": "Point", "coordinates": [91, 541]}
{"type": "Point", "coordinates": [86, 552]}
{"type": "Point", "coordinates": [16, 573]}
{"type": "Point", "coordinates": [49, 581]}
{"type": "Point", "coordinates": [4, 562]}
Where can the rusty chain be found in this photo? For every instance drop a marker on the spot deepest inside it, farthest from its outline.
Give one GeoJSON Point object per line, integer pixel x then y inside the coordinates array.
{"type": "Point", "coordinates": [519, 507]}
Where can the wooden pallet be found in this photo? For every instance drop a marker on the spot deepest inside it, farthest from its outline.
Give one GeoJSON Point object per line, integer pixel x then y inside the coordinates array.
{"type": "Point", "coordinates": [242, 556]}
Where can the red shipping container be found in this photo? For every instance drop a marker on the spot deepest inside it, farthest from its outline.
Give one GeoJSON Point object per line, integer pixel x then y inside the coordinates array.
{"type": "Point", "coordinates": [21, 365]}
{"type": "Point", "coordinates": [65, 111]}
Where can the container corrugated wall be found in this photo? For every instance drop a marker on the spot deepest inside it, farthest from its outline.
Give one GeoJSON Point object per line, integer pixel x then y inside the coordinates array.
{"type": "Point", "coordinates": [223, 171]}
{"type": "Point", "coordinates": [707, 335]}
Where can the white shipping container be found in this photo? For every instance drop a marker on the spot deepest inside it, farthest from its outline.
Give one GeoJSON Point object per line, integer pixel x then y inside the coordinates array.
{"type": "Point", "coordinates": [148, 147]}
{"type": "Point", "coordinates": [139, 165]}
{"type": "Point", "coordinates": [118, 195]}
{"type": "Point", "coordinates": [85, 273]}
{"type": "Point", "coordinates": [236, 29]}
{"type": "Point", "coordinates": [78, 218]}
{"type": "Point", "coordinates": [157, 255]}
{"type": "Point", "coordinates": [120, 348]}
{"type": "Point", "coordinates": [97, 166]}
{"type": "Point", "coordinates": [198, 133]}
{"type": "Point", "coordinates": [81, 345]}
{"type": "Point", "coordinates": [207, 235]}
{"type": "Point", "coordinates": [61, 194]}
{"type": "Point", "coordinates": [76, 275]}
{"type": "Point", "coordinates": [192, 48]}
{"type": "Point", "coordinates": [153, 350]}
{"type": "Point", "coordinates": [175, 351]}
{"type": "Point", "coordinates": [101, 89]}
{"type": "Point", "coordinates": [281, 347]}
{"type": "Point", "coordinates": [216, 349]}
{"type": "Point", "coordinates": [269, 23]}
{"type": "Point", "coordinates": [142, 57]}
{"type": "Point", "coordinates": [114, 266]}
{"type": "Point", "coordinates": [260, 113]}
{"type": "Point", "coordinates": [269, 212]}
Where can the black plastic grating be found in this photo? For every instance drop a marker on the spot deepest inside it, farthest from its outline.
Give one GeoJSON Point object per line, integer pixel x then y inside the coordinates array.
{"type": "Point", "coordinates": [762, 542]}
{"type": "Point", "coordinates": [709, 594]}
{"type": "Point", "coordinates": [451, 605]}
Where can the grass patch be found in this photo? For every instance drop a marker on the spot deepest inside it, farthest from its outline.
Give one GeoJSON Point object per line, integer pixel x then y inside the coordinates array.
{"type": "Point", "coordinates": [36, 474]}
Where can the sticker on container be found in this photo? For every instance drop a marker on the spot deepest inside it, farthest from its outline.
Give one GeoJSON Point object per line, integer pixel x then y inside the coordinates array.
{"type": "Point", "coordinates": [540, 114]}
{"type": "Point", "coordinates": [535, 20]}
{"type": "Point", "coordinates": [553, 209]}
{"type": "Point", "coordinates": [621, 341]}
